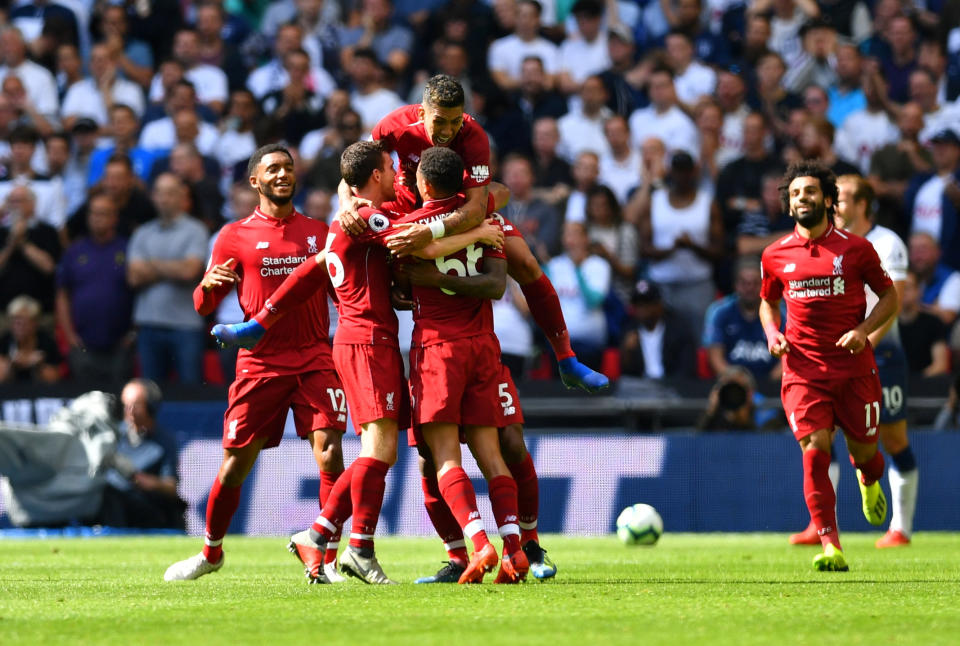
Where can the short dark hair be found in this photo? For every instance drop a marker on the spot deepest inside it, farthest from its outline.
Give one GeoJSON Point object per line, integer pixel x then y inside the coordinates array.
{"type": "Point", "coordinates": [443, 168]}
{"type": "Point", "coordinates": [120, 158]}
{"type": "Point", "coordinates": [616, 212]}
{"type": "Point", "coordinates": [536, 5]}
{"type": "Point", "coordinates": [810, 168]}
{"type": "Point", "coordinates": [126, 108]}
{"type": "Point", "coordinates": [443, 91]}
{"type": "Point", "coordinates": [59, 134]}
{"type": "Point", "coordinates": [359, 160]}
{"type": "Point", "coordinates": [24, 134]}
{"type": "Point", "coordinates": [262, 152]}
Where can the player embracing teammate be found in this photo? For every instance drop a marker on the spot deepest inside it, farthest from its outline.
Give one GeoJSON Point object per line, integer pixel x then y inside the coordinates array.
{"type": "Point", "coordinates": [829, 372]}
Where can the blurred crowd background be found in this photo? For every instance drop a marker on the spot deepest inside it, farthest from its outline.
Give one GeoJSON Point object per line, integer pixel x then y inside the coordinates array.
{"type": "Point", "coordinates": [642, 142]}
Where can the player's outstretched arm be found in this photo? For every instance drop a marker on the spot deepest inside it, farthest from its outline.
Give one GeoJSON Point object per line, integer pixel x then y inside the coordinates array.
{"type": "Point", "coordinates": [489, 284]}
{"type": "Point", "coordinates": [770, 319]}
{"type": "Point", "coordinates": [487, 233]}
{"type": "Point", "coordinates": [856, 339]}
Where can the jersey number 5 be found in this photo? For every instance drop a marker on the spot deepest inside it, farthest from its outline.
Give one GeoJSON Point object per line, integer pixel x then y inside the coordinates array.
{"type": "Point", "coordinates": [446, 265]}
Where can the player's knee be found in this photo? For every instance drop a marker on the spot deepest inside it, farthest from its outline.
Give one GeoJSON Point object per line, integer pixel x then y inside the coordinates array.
{"type": "Point", "coordinates": [521, 263]}
{"type": "Point", "coordinates": [330, 457]}
{"type": "Point", "coordinates": [511, 444]}
{"type": "Point", "coordinates": [232, 474]}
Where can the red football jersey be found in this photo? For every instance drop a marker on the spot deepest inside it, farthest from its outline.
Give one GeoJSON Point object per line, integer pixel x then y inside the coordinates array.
{"type": "Point", "coordinates": [266, 251]}
{"type": "Point", "coordinates": [441, 316]}
{"type": "Point", "coordinates": [360, 273]}
{"type": "Point", "coordinates": [822, 281]}
{"type": "Point", "coordinates": [403, 132]}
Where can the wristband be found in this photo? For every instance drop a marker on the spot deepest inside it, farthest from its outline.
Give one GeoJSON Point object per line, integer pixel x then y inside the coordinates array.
{"type": "Point", "coordinates": [436, 229]}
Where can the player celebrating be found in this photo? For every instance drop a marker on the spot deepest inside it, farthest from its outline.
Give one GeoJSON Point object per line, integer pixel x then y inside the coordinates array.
{"type": "Point", "coordinates": [291, 368]}
{"type": "Point", "coordinates": [829, 373]}
{"type": "Point", "coordinates": [440, 121]}
{"type": "Point", "coordinates": [854, 213]}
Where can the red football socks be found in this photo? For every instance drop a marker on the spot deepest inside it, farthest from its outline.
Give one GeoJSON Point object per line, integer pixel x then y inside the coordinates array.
{"type": "Point", "coordinates": [871, 470]}
{"type": "Point", "coordinates": [818, 492]}
{"type": "Point", "coordinates": [545, 309]}
{"type": "Point", "coordinates": [366, 490]}
{"type": "Point", "coordinates": [460, 497]}
{"type": "Point", "coordinates": [221, 506]}
{"type": "Point", "coordinates": [448, 529]}
{"type": "Point", "coordinates": [503, 499]}
{"type": "Point", "coordinates": [309, 277]}
{"type": "Point", "coordinates": [337, 509]}
{"type": "Point", "coordinates": [528, 497]}
{"type": "Point", "coordinates": [327, 480]}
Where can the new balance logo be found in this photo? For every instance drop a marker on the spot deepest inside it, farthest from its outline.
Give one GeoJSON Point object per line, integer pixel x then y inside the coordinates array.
{"type": "Point", "coordinates": [790, 267]}
{"type": "Point", "coordinates": [341, 418]}
{"type": "Point", "coordinates": [510, 519]}
{"type": "Point", "coordinates": [232, 430]}
{"type": "Point", "coordinates": [263, 245]}
{"type": "Point", "coordinates": [871, 431]}
{"type": "Point", "coordinates": [473, 514]}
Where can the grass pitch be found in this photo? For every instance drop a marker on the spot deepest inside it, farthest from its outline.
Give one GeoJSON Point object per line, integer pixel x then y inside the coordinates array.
{"type": "Point", "coordinates": [705, 589]}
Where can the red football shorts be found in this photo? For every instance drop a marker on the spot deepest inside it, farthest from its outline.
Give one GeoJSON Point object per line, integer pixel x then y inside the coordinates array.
{"type": "Point", "coordinates": [257, 407]}
{"type": "Point", "coordinates": [373, 380]}
{"type": "Point", "coordinates": [456, 382]}
{"type": "Point", "coordinates": [853, 404]}
{"type": "Point", "coordinates": [509, 399]}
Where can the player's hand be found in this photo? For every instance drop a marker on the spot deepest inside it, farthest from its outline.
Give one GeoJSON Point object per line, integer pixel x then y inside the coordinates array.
{"type": "Point", "coordinates": [491, 233]}
{"type": "Point", "coordinates": [400, 299]}
{"type": "Point", "coordinates": [424, 274]}
{"type": "Point", "coordinates": [349, 215]}
{"type": "Point", "coordinates": [778, 345]}
{"type": "Point", "coordinates": [854, 341]}
{"type": "Point", "coordinates": [410, 237]}
{"type": "Point", "coordinates": [220, 275]}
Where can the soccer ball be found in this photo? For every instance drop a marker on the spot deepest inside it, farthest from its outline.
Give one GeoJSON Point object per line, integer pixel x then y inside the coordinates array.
{"type": "Point", "coordinates": [639, 525]}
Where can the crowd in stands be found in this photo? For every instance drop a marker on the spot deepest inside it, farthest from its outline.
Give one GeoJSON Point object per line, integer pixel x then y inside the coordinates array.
{"type": "Point", "coordinates": [642, 142]}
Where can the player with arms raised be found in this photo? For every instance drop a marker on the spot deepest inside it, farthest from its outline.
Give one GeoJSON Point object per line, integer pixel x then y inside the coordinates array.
{"type": "Point", "coordinates": [829, 373]}
{"type": "Point", "coordinates": [291, 368]}
{"type": "Point", "coordinates": [440, 121]}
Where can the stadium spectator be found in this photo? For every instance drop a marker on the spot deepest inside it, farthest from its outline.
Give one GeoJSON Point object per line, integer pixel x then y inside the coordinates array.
{"type": "Point", "coordinates": [663, 118]}
{"type": "Point", "coordinates": [893, 165]}
{"type": "Point", "coordinates": [948, 419]}
{"type": "Point", "coordinates": [552, 174]}
{"type": "Point", "coordinates": [657, 343]}
{"type": "Point", "coordinates": [369, 96]}
{"type": "Point", "coordinates": [684, 16]}
{"type": "Point", "coordinates": [540, 223]}
{"type": "Point", "coordinates": [213, 49]}
{"type": "Point", "coordinates": [582, 281]}
{"type": "Point", "coordinates": [316, 141]}
{"type": "Point", "coordinates": [512, 323]}
{"type": "Point", "coordinates": [786, 20]}
{"type": "Point", "coordinates": [450, 57]}
{"type": "Point", "coordinates": [581, 129]}
{"type": "Point", "coordinates": [92, 96]}
{"type": "Point", "coordinates": [237, 141]}
{"type": "Point", "coordinates": [391, 41]}
{"type": "Point", "coordinates": [68, 159]}
{"type": "Point", "coordinates": [69, 69]}
{"type": "Point", "coordinates": [325, 170]}
{"type": "Point", "coordinates": [923, 334]}
{"type": "Point", "coordinates": [39, 82]}
{"type": "Point", "coordinates": [732, 334]}
{"type": "Point", "coordinates": [505, 55]}
{"type": "Point", "coordinates": [752, 45]}
{"type": "Point", "coordinates": [25, 111]}
{"type": "Point", "coordinates": [867, 129]}
{"type": "Point", "coordinates": [295, 110]}
{"type": "Point", "coordinates": [210, 82]}
{"type": "Point", "coordinates": [586, 175]}
{"type": "Point", "coordinates": [94, 302]}
{"type": "Point", "coordinates": [613, 239]}
{"type": "Point", "coordinates": [621, 78]}
{"type": "Point", "coordinates": [846, 95]}
{"type": "Point", "coordinates": [760, 228]}
{"type": "Point", "coordinates": [282, 12]}
{"type": "Point", "coordinates": [731, 95]}
{"type": "Point", "coordinates": [133, 204]}
{"type": "Point", "coordinates": [532, 101]}
{"type": "Point", "coordinates": [709, 121]}
{"type": "Point", "coordinates": [681, 235]}
{"type": "Point", "coordinates": [41, 21]}
{"type": "Point", "coordinates": [318, 204]}
{"type": "Point", "coordinates": [141, 487]}
{"type": "Point", "coordinates": [815, 66]}
{"type": "Point", "coordinates": [160, 135]}
{"type": "Point", "coordinates": [933, 199]}
{"type": "Point", "coordinates": [29, 250]}
{"type": "Point", "coordinates": [938, 282]}
{"type": "Point", "coordinates": [584, 53]}
{"type": "Point", "coordinates": [816, 142]}
{"type": "Point", "coordinates": [932, 55]}
{"type": "Point", "coordinates": [937, 116]}
{"type": "Point", "coordinates": [692, 78]}
{"type": "Point", "coordinates": [203, 190]}
{"type": "Point", "coordinates": [900, 59]}
{"type": "Point", "coordinates": [816, 101]}
{"type": "Point", "coordinates": [730, 405]}
{"type": "Point", "coordinates": [621, 166]}
{"type": "Point", "coordinates": [768, 94]}
{"type": "Point", "coordinates": [29, 353]}
{"type": "Point", "coordinates": [271, 76]}
{"type": "Point", "coordinates": [133, 56]}
{"type": "Point", "coordinates": [165, 257]}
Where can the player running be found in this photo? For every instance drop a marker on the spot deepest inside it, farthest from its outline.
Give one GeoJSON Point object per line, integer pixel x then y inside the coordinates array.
{"type": "Point", "coordinates": [829, 373]}
{"type": "Point", "coordinates": [440, 121]}
{"type": "Point", "coordinates": [291, 368]}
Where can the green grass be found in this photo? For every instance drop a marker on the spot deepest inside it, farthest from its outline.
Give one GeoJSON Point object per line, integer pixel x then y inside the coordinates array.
{"type": "Point", "coordinates": [704, 589]}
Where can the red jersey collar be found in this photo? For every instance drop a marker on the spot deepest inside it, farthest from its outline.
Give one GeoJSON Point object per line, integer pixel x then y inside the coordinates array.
{"type": "Point", "coordinates": [806, 242]}
{"type": "Point", "coordinates": [257, 213]}
{"type": "Point", "coordinates": [440, 201]}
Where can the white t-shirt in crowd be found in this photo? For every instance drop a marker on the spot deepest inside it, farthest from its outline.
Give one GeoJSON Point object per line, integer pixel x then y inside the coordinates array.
{"type": "Point", "coordinates": [583, 323]}
{"type": "Point", "coordinates": [928, 208]}
{"type": "Point", "coordinates": [83, 99]}
{"type": "Point", "coordinates": [506, 55]}
{"type": "Point", "coordinates": [673, 127]}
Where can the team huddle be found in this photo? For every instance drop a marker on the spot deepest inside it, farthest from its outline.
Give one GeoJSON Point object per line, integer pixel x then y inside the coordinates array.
{"type": "Point", "coordinates": [426, 236]}
{"type": "Point", "coordinates": [418, 238]}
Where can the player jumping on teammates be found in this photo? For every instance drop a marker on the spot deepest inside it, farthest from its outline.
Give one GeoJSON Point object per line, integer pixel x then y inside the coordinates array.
{"type": "Point", "coordinates": [440, 121]}
{"type": "Point", "coordinates": [291, 368]}
{"type": "Point", "coordinates": [829, 373]}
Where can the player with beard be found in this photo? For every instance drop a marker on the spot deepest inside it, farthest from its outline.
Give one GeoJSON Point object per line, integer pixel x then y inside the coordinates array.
{"type": "Point", "coordinates": [291, 368]}
{"type": "Point", "coordinates": [829, 373]}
